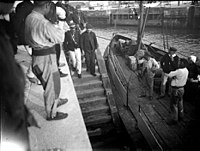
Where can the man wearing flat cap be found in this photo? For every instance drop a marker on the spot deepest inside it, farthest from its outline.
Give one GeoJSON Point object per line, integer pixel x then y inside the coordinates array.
{"type": "Point", "coordinates": [150, 65]}
{"type": "Point", "coordinates": [169, 62]}
{"type": "Point", "coordinates": [72, 46]}
{"type": "Point", "coordinates": [42, 35]}
{"type": "Point", "coordinates": [89, 44]}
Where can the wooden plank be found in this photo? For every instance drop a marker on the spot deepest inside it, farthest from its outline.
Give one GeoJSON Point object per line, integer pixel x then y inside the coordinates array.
{"type": "Point", "coordinates": [107, 87]}
{"type": "Point", "coordinates": [117, 82]}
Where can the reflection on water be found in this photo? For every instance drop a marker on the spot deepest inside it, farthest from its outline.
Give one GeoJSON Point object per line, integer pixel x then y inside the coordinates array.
{"type": "Point", "coordinates": [186, 41]}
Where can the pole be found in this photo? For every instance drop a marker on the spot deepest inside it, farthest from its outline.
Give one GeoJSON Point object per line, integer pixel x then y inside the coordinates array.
{"type": "Point", "coordinates": [139, 36]}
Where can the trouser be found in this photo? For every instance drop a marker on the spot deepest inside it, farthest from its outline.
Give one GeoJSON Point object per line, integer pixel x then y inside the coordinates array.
{"type": "Point", "coordinates": [148, 84]}
{"type": "Point", "coordinates": [57, 47]}
{"type": "Point", "coordinates": [176, 103]}
{"type": "Point", "coordinates": [164, 78]}
{"type": "Point", "coordinates": [90, 61]}
{"type": "Point", "coordinates": [46, 70]}
{"type": "Point", "coordinates": [75, 57]}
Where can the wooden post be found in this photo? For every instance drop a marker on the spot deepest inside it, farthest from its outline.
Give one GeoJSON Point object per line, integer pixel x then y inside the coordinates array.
{"type": "Point", "coordinates": [139, 36]}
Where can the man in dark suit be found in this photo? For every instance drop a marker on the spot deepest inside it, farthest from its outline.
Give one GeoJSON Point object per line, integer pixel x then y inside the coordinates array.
{"type": "Point", "coordinates": [89, 44]}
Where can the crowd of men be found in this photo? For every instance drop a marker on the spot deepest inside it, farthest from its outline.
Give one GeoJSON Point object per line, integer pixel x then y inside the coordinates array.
{"type": "Point", "coordinates": [44, 28]}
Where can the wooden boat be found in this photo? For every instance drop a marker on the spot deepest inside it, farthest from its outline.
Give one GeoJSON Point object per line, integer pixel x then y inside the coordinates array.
{"type": "Point", "coordinates": [151, 116]}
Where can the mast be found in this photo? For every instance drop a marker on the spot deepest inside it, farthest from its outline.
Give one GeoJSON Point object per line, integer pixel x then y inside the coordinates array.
{"type": "Point", "coordinates": [141, 25]}
{"type": "Point", "coordinates": [139, 36]}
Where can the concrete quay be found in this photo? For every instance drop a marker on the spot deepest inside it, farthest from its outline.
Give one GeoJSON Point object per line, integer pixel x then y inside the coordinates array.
{"type": "Point", "coordinates": [69, 134]}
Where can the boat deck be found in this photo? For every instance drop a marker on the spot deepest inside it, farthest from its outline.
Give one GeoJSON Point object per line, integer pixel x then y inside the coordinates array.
{"type": "Point", "coordinates": [155, 114]}
{"type": "Point", "coordinates": [66, 134]}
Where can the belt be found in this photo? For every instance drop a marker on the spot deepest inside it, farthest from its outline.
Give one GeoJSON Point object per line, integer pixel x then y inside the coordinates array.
{"type": "Point", "coordinates": [43, 52]}
{"type": "Point", "coordinates": [177, 87]}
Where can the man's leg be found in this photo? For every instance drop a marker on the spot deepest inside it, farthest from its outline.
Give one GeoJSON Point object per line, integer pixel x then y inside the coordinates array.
{"type": "Point", "coordinates": [78, 60]}
{"type": "Point", "coordinates": [87, 61]}
{"type": "Point", "coordinates": [163, 84]}
{"type": "Point", "coordinates": [73, 59]}
{"type": "Point", "coordinates": [92, 63]}
{"type": "Point", "coordinates": [174, 105]}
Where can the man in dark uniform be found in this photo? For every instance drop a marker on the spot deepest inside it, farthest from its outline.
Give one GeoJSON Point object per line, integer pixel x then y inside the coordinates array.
{"type": "Point", "coordinates": [89, 44]}
{"type": "Point", "coordinates": [169, 62]}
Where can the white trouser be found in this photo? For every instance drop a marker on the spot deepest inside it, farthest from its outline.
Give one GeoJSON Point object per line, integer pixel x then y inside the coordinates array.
{"type": "Point", "coordinates": [75, 57]}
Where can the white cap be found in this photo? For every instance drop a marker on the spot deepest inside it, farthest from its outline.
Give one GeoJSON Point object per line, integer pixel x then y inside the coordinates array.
{"type": "Point", "coordinates": [193, 58]}
{"type": "Point", "coordinates": [60, 12]}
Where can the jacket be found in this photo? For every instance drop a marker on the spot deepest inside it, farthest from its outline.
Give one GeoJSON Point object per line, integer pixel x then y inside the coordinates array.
{"type": "Point", "coordinates": [88, 42]}
{"type": "Point", "coordinates": [167, 64]}
{"type": "Point", "coordinates": [69, 43]}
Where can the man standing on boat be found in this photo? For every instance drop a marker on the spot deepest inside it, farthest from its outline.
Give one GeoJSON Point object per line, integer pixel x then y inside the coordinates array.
{"type": "Point", "coordinates": [179, 79]}
{"type": "Point", "coordinates": [169, 62]}
{"type": "Point", "coordinates": [150, 65]}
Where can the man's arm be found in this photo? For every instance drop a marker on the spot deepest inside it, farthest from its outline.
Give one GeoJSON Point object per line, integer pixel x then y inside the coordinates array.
{"type": "Point", "coordinates": [55, 35]}
{"type": "Point", "coordinates": [173, 73]}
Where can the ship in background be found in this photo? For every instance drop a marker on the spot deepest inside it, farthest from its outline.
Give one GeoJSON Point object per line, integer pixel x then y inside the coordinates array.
{"type": "Point", "coordinates": [171, 14]}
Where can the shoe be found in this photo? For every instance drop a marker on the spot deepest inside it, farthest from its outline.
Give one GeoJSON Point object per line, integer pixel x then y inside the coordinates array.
{"type": "Point", "coordinates": [142, 96]}
{"type": "Point", "coordinates": [63, 74]}
{"type": "Point", "coordinates": [94, 74]}
{"type": "Point", "coordinates": [160, 97]}
{"type": "Point", "coordinates": [171, 122]}
{"type": "Point", "coordinates": [61, 65]}
{"type": "Point", "coordinates": [73, 69]}
{"type": "Point", "coordinates": [34, 80]}
{"type": "Point", "coordinates": [59, 116]}
{"type": "Point", "coordinates": [79, 76]}
{"type": "Point", "coordinates": [150, 98]}
{"type": "Point", "coordinates": [62, 102]}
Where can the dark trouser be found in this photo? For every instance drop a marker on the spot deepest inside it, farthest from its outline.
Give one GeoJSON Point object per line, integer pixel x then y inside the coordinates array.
{"type": "Point", "coordinates": [46, 70]}
{"type": "Point", "coordinates": [176, 103]}
{"type": "Point", "coordinates": [90, 61]}
{"type": "Point", "coordinates": [57, 47]}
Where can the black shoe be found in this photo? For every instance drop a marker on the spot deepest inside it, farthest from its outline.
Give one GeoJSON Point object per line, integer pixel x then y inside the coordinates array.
{"type": "Point", "coordinates": [142, 96]}
{"type": "Point", "coordinates": [150, 98]}
{"type": "Point", "coordinates": [62, 102]}
{"type": "Point", "coordinates": [73, 69]}
{"type": "Point", "coordinates": [63, 74]}
{"type": "Point", "coordinates": [79, 76]}
{"type": "Point", "coordinates": [94, 74]}
{"type": "Point", "coordinates": [160, 97]}
{"type": "Point", "coordinates": [59, 116]}
{"type": "Point", "coordinates": [61, 64]}
{"type": "Point", "coordinates": [171, 122]}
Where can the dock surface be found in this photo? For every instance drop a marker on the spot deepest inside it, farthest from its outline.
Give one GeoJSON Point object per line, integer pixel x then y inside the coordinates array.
{"type": "Point", "coordinates": [67, 134]}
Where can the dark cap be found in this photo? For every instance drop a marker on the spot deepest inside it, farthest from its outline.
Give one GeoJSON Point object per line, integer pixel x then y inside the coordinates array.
{"type": "Point", "coordinates": [72, 24]}
{"type": "Point", "coordinates": [172, 49]}
{"type": "Point", "coordinates": [40, 3]}
{"type": "Point", "coordinates": [147, 54]}
{"type": "Point", "coordinates": [88, 26]}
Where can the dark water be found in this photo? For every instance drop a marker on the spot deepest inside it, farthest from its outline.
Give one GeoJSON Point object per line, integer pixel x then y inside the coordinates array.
{"type": "Point", "coordinates": [186, 41]}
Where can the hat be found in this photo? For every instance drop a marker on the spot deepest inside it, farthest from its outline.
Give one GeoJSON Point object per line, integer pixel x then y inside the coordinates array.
{"type": "Point", "coordinates": [172, 49]}
{"type": "Point", "coordinates": [88, 26]}
{"type": "Point", "coordinates": [71, 24]}
{"type": "Point", "coordinates": [193, 58]}
{"type": "Point", "coordinates": [60, 12]}
{"type": "Point", "coordinates": [147, 54]}
{"type": "Point", "coordinates": [40, 3]}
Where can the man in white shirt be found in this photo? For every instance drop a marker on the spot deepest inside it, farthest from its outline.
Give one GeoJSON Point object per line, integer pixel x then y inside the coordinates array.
{"type": "Point", "coordinates": [179, 79]}
{"type": "Point", "coordinates": [42, 36]}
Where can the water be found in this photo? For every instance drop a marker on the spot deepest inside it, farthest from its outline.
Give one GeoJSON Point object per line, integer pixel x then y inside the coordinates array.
{"type": "Point", "coordinates": [186, 41]}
